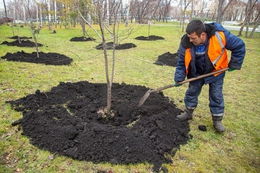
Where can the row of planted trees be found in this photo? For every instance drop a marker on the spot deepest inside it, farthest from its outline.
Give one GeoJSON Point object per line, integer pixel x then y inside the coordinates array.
{"type": "Point", "coordinates": [107, 14]}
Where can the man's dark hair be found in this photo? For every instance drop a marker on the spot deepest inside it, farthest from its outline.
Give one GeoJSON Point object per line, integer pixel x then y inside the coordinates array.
{"type": "Point", "coordinates": [195, 26]}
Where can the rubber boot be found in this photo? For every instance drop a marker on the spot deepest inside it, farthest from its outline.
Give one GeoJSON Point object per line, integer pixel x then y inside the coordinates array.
{"type": "Point", "coordinates": [186, 115]}
{"type": "Point", "coordinates": [219, 127]}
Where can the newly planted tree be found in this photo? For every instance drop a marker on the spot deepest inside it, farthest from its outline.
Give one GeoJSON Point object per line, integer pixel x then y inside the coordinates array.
{"type": "Point", "coordinates": [109, 31]}
{"type": "Point", "coordinates": [35, 31]}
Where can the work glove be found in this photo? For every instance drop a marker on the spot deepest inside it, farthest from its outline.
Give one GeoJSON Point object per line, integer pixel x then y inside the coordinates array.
{"type": "Point", "coordinates": [231, 69]}
{"type": "Point", "coordinates": [176, 84]}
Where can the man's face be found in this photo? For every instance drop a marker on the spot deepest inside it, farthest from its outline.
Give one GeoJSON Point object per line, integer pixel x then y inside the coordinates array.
{"type": "Point", "coordinates": [195, 39]}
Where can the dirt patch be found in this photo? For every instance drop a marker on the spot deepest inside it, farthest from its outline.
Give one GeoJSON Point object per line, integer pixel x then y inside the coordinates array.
{"type": "Point", "coordinates": [118, 46]}
{"type": "Point", "coordinates": [44, 58]}
{"type": "Point", "coordinates": [167, 59]}
{"type": "Point", "coordinates": [21, 37]}
{"type": "Point", "coordinates": [68, 120]}
{"type": "Point", "coordinates": [82, 39]}
{"type": "Point", "coordinates": [23, 43]}
{"type": "Point", "coordinates": [149, 38]}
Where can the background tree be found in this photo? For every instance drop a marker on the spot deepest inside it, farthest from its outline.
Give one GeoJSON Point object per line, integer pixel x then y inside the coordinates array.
{"type": "Point", "coordinates": [248, 11]}
{"type": "Point", "coordinates": [35, 32]}
{"type": "Point", "coordinates": [5, 9]}
{"type": "Point", "coordinates": [222, 9]}
{"type": "Point", "coordinates": [256, 19]}
{"type": "Point", "coordinates": [185, 4]}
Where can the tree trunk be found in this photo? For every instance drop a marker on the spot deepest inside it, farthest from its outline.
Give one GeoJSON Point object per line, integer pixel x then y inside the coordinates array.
{"type": "Point", "coordinates": [5, 9]}
{"type": "Point", "coordinates": [219, 14]}
{"type": "Point", "coordinates": [127, 13]}
{"type": "Point", "coordinates": [221, 10]}
{"type": "Point", "coordinates": [255, 26]}
{"type": "Point", "coordinates": [249, 11]}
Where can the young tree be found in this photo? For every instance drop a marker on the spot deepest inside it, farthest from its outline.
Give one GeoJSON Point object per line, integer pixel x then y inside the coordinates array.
{"type": "Point", "coordinates": [109, 30]}
{"type": "Point", "coordinates": [35, 32]}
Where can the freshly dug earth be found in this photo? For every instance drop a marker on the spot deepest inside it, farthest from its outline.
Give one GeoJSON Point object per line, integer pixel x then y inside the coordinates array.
{"type": "Point", "coordinates": [82, 39]}
{"type": "Point", "coordinates": [167, 59]}
{"type": "Point", "coordinates": [69, 120]}
{"type": "Point", "coordinates": [117, 46]}
{"type": "Point", "coordinates": [21, 37]}
{"type": "Point", "coordinates": [24, 43]}
{"type": "Point", "coordinates": [44, 58]}
{"type": "Point", "coordinates": [149, 38]}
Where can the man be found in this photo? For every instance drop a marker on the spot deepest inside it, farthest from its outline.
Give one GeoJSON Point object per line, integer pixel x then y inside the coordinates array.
{"type": "Point", "coordinates": [203, 49]}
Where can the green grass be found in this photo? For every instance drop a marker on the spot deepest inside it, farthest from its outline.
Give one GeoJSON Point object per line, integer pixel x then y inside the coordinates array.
{"type": "Point", "coordinates": [236, 150]}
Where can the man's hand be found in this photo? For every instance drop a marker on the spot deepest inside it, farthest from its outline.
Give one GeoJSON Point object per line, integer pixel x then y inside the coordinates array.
{"type": "Point", "coordinates": [176, 84]}
{"type": "Point", "coordinates": [231, 69]}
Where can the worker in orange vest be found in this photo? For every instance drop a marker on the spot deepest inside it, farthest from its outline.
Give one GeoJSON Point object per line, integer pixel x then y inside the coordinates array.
{"type": "Point", "coordinates": [203, 49]}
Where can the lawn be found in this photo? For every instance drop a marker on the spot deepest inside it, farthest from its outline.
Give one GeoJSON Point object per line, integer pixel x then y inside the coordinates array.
{"type": "Point", "coordinates": [236, 150]}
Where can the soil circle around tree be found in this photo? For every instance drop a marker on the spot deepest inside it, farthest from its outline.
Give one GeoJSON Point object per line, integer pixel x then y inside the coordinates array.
{"type": "Point", "coordinates": [22, 43]}
{"type": "Point", "coordinates": [169, 59]}
{"type": "Point", "coordinates": [109, 46]}
{"type": "Point", "coordinates": [44, 58]}
{"type": "Point", "coordinates": [82, 39]}
{"type": "Point", "coordinates": [69, 120]}
{"type": "Point", "coordinates": [149, 38]}
{"type": "Point", "coordinates": [21, 37]}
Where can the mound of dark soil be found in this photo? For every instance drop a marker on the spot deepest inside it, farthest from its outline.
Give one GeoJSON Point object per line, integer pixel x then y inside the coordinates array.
{"type": "Point", "coordinates": [24, 43]}
{"type": "Point", "coordinates": [118, 46]}
{"type": "Point", "coordinates": [69, 120]}
{"type": "Point", "coordinates": [149, 38]}
{"type": "Point", "coordinates": [80, 39]}
{"type": "Point", "coordinates": [167, 59]}
{"type": "Point", "coordinates": [21, 37]}
{"type": "Point", "coordinates": [44, 58]}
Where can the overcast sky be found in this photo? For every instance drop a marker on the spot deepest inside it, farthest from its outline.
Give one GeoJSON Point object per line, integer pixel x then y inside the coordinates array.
{"type": "Point", "coordinates": [2, 4]}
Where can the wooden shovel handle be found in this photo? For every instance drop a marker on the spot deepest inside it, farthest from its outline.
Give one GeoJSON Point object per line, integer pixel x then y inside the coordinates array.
{"type": "Point", "coordinates": [204, 75]}
{"type": "Point", "coordinates": [191, 79]}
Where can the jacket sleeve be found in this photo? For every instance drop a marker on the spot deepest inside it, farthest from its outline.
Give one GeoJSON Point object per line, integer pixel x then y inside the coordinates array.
{"type": "Point", "coordinates": [237, 47]}
{"type": "Point", "coordinates": [180, 72]}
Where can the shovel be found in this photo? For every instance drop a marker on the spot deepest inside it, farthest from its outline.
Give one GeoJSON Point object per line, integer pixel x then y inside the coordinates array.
{"type": "Point", "coordinates": [146, 95]}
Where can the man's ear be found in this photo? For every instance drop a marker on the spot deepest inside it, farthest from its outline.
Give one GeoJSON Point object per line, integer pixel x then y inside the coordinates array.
{"type": "Point", "coordinates": [203, 34]}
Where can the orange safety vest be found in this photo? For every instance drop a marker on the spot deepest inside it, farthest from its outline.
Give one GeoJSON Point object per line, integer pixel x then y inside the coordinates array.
{"type": "Point", "coordinates": [216, 52]}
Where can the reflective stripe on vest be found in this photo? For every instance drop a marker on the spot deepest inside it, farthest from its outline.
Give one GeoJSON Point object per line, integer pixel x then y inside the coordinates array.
{"type": "Point", "coordinates": [216, 53]}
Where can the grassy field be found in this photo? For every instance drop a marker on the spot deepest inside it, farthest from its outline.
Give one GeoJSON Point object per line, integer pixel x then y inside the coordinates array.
{"type": "Point", "coordinates": [236, 150]}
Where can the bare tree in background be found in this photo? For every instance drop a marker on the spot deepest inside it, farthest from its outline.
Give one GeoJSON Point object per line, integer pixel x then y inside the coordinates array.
{"type": "Point", "coordinates": [5, 9]}
{"type": "Point", "coordinates": [257, 20]}
{"type": "Point", "coordinates": [221, 10]}
{"type": "Point", "coordinates": [186, 4]}
{"type": "Point", "coordinates": [248, 11]}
